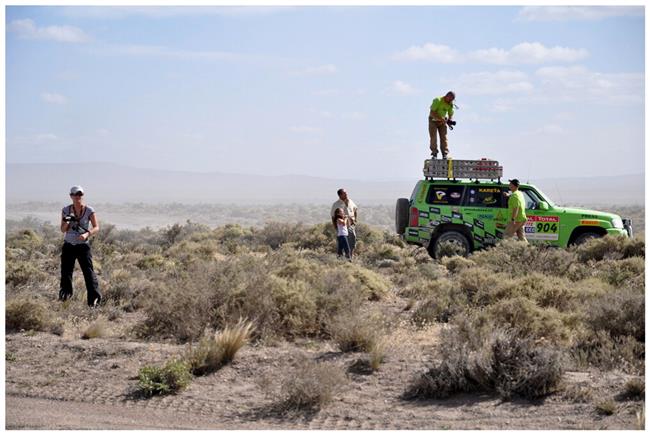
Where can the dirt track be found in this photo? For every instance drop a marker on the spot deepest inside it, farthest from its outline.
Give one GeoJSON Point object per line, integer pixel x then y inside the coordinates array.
{"type": "Point", "coordinates": [67, 383]}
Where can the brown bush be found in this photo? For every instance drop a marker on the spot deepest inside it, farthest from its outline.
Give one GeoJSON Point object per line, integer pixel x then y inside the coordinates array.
{"type": "Point", "coordinates": [309, 386]}
{"type": "Point", "coordinates": [354, 333]}
{"type": "Point", "coordinates": [619, 313]}
{"type": "Point", "coordinates": [504, 363]}
{"type": "Point", "coordinates": [24, 314]}
{"type": "Point", "coordinates": [611, 247]}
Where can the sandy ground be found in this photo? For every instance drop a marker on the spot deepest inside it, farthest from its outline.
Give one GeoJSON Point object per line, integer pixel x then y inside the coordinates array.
{"type": "Point", "coordinates": [65, 382]}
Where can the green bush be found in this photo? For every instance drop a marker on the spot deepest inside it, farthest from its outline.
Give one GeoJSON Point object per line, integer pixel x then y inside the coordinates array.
{"type": "Point", "coordinates": [169, 379]}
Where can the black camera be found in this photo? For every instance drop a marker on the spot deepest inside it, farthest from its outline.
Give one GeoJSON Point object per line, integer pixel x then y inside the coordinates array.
{"type": "Point", "coordinates": [451, 124]}
{"type": "Point", "coordinates": [69, 218]}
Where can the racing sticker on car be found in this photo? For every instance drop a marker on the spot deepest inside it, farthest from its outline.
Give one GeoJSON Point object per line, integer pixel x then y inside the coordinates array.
{"type": "Point", "coordinates": [424, 214]}
{"type": "Point", "coordinates": [542, 227]}
{"type": "Point", "coordinates": [446, 219]}
{"type": "Point", "coordinates": [434, 210]}
{"type": "Point", "coordinates": [456, 215]}
{"type": "Point", "coordinates": [478, 223]}
{"type": "Point", "coordinates": [414, 233]}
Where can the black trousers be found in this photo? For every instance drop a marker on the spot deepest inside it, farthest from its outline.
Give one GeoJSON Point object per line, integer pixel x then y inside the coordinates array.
{"type": "Point", "coordinates": [81, 253]}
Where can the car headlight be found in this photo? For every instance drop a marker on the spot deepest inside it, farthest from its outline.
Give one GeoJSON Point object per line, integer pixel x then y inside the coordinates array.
{"type": "Point", "coordinates": [617, 223]}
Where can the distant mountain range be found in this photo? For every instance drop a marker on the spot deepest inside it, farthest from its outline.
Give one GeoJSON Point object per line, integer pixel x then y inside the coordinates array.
{"type": "Point", "coordinates": [112, 183]}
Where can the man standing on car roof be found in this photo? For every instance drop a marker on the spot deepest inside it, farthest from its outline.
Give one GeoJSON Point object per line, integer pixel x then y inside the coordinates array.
{"type": "Point", "coordinates": [350, 210]}
{"type": "Point", "coordinates": [516, 212]}
{"type": "Point", "coordinates": [442, 109]}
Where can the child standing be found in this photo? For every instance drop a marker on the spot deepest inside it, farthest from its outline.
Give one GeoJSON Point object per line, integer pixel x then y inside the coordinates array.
{"type": "Point", "coordinates": [342, 233]}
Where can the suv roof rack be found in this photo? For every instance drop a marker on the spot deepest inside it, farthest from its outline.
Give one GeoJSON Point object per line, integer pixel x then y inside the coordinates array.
{"type": "Point", "coordinates": [483, 169]}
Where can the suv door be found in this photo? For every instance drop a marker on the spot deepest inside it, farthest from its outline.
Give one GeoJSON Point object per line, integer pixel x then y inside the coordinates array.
{"type": "Point", "coordinates": [484, 209]}
{"type": "Point", "coordinates": [543, 226]}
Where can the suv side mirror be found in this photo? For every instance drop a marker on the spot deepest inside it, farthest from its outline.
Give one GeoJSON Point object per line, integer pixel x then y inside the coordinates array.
{"type": "Point", "coordinates": [542, 205]}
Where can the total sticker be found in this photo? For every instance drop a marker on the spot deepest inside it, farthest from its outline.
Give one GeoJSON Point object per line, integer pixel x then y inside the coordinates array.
{"type": "Point", "coordinates": [542, 227]}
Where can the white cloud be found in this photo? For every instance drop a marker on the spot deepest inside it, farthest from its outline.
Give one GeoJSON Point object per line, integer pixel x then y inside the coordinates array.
{"type": "Point", "coordinates": [579, 83]}
{"type": "Point", "coordinates": [402, 88]}
{"type": "Point", "coordinates": [158, 12]}
{"type": "Point", "coordinates": [493, 83]}
{"type": "Point", "coordinates": [54, 98]}
{"type": "Point", "coordinates": [304, 129]}
{"type": "Point", "coordinates": [45, 137]}
{"type": "Point", "coordinates": [579, 13]}
{"type": "Point", "coordinates": [27, 29]}
{"type": "Point", "coordinates": [429, 51]}
{"type": "Point", "coordinates": [318, 70]}
{"type": "Point", "coordinates": [529, 52]}
{"type": "Point", "coordinates": [523, 53]}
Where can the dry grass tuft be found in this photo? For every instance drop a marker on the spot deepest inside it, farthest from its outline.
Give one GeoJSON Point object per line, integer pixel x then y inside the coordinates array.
{"type": "Point", "coordinates": [606, 407]}
{"type": "Point", "coordinates": [354, 333]}
{"type": "Point", "coordinates": [97, 329]}
{"type": "Point", "coordinates": [212, 353]}
{"type": "Point", "coordinates": [634, 389]}
{"type": "Point", "coordinates": [233, 338]}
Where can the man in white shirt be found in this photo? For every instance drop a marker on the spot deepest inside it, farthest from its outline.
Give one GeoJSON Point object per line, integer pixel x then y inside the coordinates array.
{"type": "Point", "coordinates": [350, 210]}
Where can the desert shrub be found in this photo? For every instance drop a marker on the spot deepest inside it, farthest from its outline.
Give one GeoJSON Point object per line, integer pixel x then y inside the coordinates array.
{"type": "Point", "coordinates": [275, 234]}
{"type": "Point", "coordinates": [523, 315]}
{"type": "Point", "coordinates": [505, 363]}
{"type": "Point", "coordinates": [353, 333]}
{"type": "Point", "coordinates": [169, 379]}
{"type": "Point", "coordinates": [477, 280]}
{"type": "Point", "coordinates": [444, 301]}
{"type": "Point", "coordinates": [606, 407]}
{"type": "Point", "coordinates": [382, 251]}
{"type": "Point", "coordinates": [579, 393]}
{"type": "Point", "coordinates": [97, 329]}
{"type": "Point", "coordinates": [619, 272]}
{"type": "Point", "coordinates": [599, 349]}
{"type": "Point", "coordinates": [233, 338]}
{"type": "Point", "coordinates": [516, 366]}
{"type": "Point", "coordinates": [634, 389]}
{"type": "Point", "coordinates": [310, 386]}
{"type": "Point", "coordinates": [611, 247]}
{"type": "Point", "coordinates": [449, 249]}
{"type": "Point", "coordinates": [178, 311]}
{"type": "Point", "coordinates": [515, 258]}
{"type": "Point", "coordinates": [25, 314]}
{"type": "Point", "coordinates": [373, 285]}
{"type": "Point", "coordinates": [457, 263]}
{"type": "Point", "coordinates": [22, 272]}
{"type": "Point", "coordinates": [153, 261]}
{"type": "Point", "coordinates": [377, 354]}
{"type": "Point", "coordinates": [214, 352]}
{"type": "Point", "coordinates": [27, 239]}
{"type": "Point", "coordinates": [619, 313]}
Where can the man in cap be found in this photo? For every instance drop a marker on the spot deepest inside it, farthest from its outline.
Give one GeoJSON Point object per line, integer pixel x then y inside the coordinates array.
{"type": "Point", "coordinates": [75, 223]}
{"type": "Point", "coordinates": [441, 111]}
{"type": "Point", "coordinates": [516, 212]}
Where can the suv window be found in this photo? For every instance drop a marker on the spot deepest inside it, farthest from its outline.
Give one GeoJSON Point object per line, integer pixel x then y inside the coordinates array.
{"type": "Point", "coordinates": [531, 199]}
{"type": "Point", "coordinates": [445, 195]}
{"type": "Point", "coordinates": [485, 196]}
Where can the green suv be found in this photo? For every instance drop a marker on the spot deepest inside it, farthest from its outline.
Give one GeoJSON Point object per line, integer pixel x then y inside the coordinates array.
{"type": "Point", "coordinates": [473, 214]}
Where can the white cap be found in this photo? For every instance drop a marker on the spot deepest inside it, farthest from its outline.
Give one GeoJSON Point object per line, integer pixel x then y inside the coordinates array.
{"type": "Point", "coordinates": [76, 189]}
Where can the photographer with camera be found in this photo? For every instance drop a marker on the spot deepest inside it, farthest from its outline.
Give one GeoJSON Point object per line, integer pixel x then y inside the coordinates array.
{"type": "Point", "coordinates": [75, 221]}
{"type": "Point", "coordinates": [440, 114]}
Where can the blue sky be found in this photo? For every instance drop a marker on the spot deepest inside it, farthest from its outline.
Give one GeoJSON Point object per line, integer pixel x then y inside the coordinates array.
{"type": "Point", "coordinates": [339, 92]}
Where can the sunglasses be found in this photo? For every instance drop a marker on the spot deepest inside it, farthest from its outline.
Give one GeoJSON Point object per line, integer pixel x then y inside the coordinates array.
{"type": "Point", "coordinates": [77, 194]}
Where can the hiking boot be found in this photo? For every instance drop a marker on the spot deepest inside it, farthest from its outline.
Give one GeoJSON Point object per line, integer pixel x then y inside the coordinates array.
{"type": "Point", "coordinates": [434, 156]}
{"type": "Point", "coordinates": [446, 156]}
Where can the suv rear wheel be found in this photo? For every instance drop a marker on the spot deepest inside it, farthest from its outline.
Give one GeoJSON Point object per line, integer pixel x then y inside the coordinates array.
{"type": "Point", "coordinates": [401, 215]}
{"type": "Point", "coordinates": [449, 243]}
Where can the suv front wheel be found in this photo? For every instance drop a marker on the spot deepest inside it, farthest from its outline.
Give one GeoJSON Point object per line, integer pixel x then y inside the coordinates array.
{"type": "Point", "coordinates": [449, 243]}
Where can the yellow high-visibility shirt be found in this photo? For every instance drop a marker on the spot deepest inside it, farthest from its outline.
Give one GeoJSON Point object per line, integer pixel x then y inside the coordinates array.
{"type": "Point", "coordinates": [442, 108]}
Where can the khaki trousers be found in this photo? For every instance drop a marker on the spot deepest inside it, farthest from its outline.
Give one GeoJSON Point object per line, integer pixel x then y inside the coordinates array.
{"type": "Point", "coordinates": [516, 228]}
{"type": "Point", "coordinates": [435, 128]}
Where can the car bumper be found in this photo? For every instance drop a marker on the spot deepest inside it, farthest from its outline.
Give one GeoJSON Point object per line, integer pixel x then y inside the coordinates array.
{"type": "Point", "coordinates": [618, 232]}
